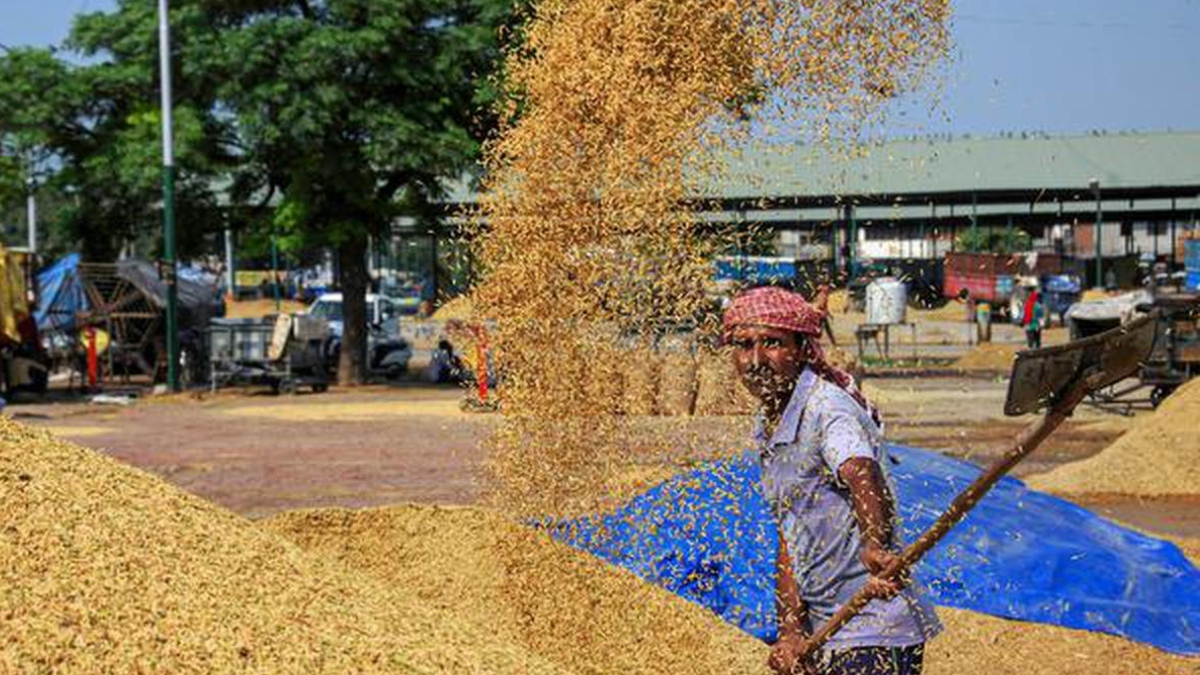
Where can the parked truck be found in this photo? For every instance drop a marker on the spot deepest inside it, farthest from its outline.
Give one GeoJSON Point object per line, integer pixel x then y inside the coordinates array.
{"type": "Point", "coordinates": [992, 277]}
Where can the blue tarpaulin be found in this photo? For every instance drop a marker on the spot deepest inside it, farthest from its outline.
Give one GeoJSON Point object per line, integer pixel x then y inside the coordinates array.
{"type": "Point", "coordinates": [708, 536]}
{"type": "Point", "coordinates": [755, 269]}
{"type": "Point", "coordinates": [60, 295]}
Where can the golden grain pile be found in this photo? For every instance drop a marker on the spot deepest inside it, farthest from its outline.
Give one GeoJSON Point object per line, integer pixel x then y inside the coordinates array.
{"type": "Point", "coordinates": [988, 356]}
{"type": "Point", "coordinates": [106, 569]}
{"type": "Point", "coordinates": [617, 113]}
{"type": "Point", "coordinates": [569, 608]}
{"type": "Point", "coordinates": [683, 380]}
{"type": "Point", "coordinates": [1158, 456]}
{"type": "Point", "coordinates": [587, 617]}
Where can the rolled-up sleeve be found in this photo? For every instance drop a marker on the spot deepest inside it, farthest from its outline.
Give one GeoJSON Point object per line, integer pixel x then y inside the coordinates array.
{"type": "Point", "coordinates": [843, 435]}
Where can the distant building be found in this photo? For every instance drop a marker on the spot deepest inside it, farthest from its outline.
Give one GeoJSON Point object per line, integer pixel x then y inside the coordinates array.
{"type": "Point", "coordinates": [908, 200]}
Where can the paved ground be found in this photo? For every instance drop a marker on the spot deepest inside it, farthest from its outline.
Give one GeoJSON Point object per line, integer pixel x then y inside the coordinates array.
{"type": "Point", "coordinates": [258, 454]}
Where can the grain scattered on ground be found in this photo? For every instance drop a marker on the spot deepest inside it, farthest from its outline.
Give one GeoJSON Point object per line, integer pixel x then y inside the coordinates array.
{"type": "Point", "coordinates": [989, 356]}
{"type": "Point", "coordinates": [310, 411]}
{"type": "Point", "coordinates": [78, 431]}
{"type": "Point", "coordinates": [951, 311]}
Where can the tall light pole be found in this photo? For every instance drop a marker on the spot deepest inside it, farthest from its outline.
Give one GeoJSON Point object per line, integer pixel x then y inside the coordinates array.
{"type": "Point", "coordinates": [975, 222]}
{"type": "Point", "coordinates": [31, 213]}
{"type": "Point", "coordinates": [851, 244]}
{"type": "Point", "coordinates": [275, 267]}
{"type": "Point", "coordinates": [230, 272]}
{"type": "Point", "coordinates": [1094, 185]}
{"type": "Point", "coordinates": [170, 271]}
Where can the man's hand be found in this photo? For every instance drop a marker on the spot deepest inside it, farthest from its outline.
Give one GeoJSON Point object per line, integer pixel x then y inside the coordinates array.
{"type": "Point", "coordinates": [785, 656]}
{"type": "Point", "coordinates": [881, 563]}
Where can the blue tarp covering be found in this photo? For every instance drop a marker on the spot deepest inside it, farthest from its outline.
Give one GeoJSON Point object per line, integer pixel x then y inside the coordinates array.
{"type": "Point", "coordinates": [755, 269]}
{"type": "Point", "coordinates": [1192, 280]}
{"type": "Point", "coordinates": [708, 537]}
{"type": "Point", "coordinates": [60, 295]}
{"type": "Point", "coordinates": [1062, 283]}
{"type": "Point", "coordinates": [1191, 255]}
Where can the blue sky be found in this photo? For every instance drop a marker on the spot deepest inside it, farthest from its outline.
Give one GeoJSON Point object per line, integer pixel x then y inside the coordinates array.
{"type": "Point", "coordinates": [1060, 66]}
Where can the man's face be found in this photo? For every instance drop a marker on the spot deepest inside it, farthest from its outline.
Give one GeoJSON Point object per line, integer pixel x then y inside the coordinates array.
{"type": "Point", "coordinates": [769, 360]}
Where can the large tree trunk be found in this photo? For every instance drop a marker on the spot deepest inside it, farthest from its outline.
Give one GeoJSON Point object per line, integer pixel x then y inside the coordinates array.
{"type": "Point", "coordinates": [352, 277]}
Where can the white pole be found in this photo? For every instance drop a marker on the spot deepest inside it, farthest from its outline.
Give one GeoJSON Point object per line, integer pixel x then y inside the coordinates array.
{"type": "Point", "coordinates": [164, 66]}
{"type": "Point", "coordinates": [31, 216]}
{"type": "Point", "coordinates": [230, 275]}
{"type": "Point", "coordinates": [170, 264]}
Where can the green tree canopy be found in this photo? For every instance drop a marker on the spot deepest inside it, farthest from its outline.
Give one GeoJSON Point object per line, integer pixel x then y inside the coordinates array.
{"type": "Point", "coordinates": [352, 112]}
{"type": "Point", "coordinates": [114, 162]}
{"type": "Point", "coordinates": [35, 104]}
{"type": "Point", "coordinates": [320, 119]}
{"type": "Point", "coordinates": [994, 240]}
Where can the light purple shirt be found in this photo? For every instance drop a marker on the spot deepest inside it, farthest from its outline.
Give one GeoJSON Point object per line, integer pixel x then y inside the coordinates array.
{"type": "Point", "coordinates": [820, 429]}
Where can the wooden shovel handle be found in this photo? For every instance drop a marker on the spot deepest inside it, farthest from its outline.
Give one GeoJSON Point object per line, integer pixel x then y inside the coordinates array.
{"type": "Point", "coordinates": [1026, 442]}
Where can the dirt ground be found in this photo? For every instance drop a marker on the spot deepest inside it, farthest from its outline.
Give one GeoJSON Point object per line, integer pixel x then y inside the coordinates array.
{"type": "Point", "coordinates": [932, 335]}
{"type": "Point", "coordinates": [259, 454]}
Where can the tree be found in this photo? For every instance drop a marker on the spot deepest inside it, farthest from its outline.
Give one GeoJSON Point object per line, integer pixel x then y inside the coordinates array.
{"type": "Point", "coordinates": [989, 240]}
{"type": "Point", "coordinates": [337, 115]}
{"type": "Point", "coordinates": [89, 136]}
{"type": "Point", "coordinates": [114, 158]}
{"type": "Point", "coordinates": [323, 119]}
{"type": "Point", "coordinates": [353, 112]}
{"type": "Point", "coordinates": [33, 119]}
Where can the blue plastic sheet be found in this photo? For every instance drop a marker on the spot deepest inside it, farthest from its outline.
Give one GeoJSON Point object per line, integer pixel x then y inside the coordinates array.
{"type": "Point", "coordinates": [1062, 283]}
{"type": "Point", "coordinates": [755, 269]}
{"type": "Point", "coordinates": [708, 536]}
{"type": "Point", "coordinates": [60, 296]}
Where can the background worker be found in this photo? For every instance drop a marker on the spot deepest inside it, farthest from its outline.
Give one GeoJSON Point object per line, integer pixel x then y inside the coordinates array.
{"type": "Point", "coordinates": [821, 449]}
{"type": "Point", "coordinates": [1035, 312]}
{"type": "Point", "coordinates": [444, 366]}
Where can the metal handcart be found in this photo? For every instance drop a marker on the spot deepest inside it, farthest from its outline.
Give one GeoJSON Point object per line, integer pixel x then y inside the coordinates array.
{"type": "Point", "coordinates": [1174, 360]}
{"type": "Point", "coordinates": [284, 352]}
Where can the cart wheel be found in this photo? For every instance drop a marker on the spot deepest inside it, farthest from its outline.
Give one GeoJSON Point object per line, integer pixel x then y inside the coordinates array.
{"type": "Point", "coordinates": [288, 387]}
{"type": "Point", "coordinates": [1160, 394]}
{"type": "Point", "coordinates": [320, 388]}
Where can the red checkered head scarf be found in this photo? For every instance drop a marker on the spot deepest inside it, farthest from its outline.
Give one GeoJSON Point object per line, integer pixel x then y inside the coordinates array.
{"type": "Point", "coordinates": [777, 308]}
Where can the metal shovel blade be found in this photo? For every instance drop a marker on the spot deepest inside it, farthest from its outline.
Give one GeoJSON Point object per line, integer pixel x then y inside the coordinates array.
{"type": "Point", "coordinates": [1041, 375]}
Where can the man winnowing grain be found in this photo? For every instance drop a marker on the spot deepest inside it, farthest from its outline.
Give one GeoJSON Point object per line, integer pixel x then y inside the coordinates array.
{"type": "Point", "coordinates": [821, 452]}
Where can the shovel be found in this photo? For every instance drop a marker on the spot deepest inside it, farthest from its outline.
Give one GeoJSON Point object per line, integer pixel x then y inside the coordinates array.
{"type": "Point", "coordinates": [1054, 379]}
